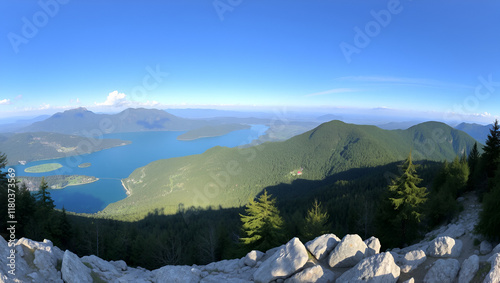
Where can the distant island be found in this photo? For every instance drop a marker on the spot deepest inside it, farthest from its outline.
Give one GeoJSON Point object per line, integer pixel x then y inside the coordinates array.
{"type": "Point", "coordinates": [85, 165]}
{"type": "Point", "coordinates": [211, 131]}
{"type": "Point", "coordinates": [56, 182]}
{"type": "Point", "coordinates": [42, 168]}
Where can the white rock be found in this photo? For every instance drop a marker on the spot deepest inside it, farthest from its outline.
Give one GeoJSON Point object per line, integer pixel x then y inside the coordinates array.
{"type": "Point", "coordinates": [104, 269]}
{"type": "Point", "coordinates": [469, 268]}
{"type": "Point", "coordinates": [46, 263]}
{"type": "Point", "coordinates": [485, 247]}
{"type": "Point", "coordinates": [73, 270]}
{"type": "Point", "coordinates": [120, 265]}
{"type": "Point", "coordinates": [411, 280]}
{"type": "Point", "coordinates": [283, 262]}
{"type": "Point", "coordinates": [223, 278]}
{"type": "Point", "coordinates": [252, 257]}
{"type": "Point", "coordinates": [177, 274]}
{"type": "Point", "coordinates": [315, 274]}
{"type": "Point", "coordinates": [412, 260]}
{"type": "Point", "coordinates": [321, 246]}
{"type": "Point", "coordinates": [348, 252]}
{"type": "Point", "coordinates": [496, 249]}
{"type": "Point", "coordinates": [494, 275]}
{"type": "Point", "coordinates": [34, 245]}
{"type": "Point", "coordinates": [373, 245]}
{"type": "Point", "coordinates": [453, 231]}
{"type": "Point", "coordinates": [443, 271]}
{"type": "Point", "coordinates": [378, 268]}
{"type": "Point", "coordinates": [445, 247]}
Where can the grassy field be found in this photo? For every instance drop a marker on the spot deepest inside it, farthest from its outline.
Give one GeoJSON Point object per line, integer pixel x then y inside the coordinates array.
{"type": "Point", "coordinates": [42, 168]}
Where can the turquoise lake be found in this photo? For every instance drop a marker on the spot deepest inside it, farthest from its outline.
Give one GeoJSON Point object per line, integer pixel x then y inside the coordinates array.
{"type": "Point", "coordinates": [112, 165]}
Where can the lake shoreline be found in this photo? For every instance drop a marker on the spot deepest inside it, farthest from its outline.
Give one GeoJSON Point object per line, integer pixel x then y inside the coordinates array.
{"type": "Point", "coordinates": [127, 191]}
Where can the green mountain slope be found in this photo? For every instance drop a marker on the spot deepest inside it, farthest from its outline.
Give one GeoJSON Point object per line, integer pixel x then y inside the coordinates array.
{"type": "Point", "coordinates": [41, 146]}
{"type": "Point", "coordinates": [230, 176]}
{"type": "Point", "coordinates": [479, 132]}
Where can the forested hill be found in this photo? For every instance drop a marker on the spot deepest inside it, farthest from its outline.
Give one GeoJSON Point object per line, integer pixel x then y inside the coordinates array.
{"type": "Point", "coordinates": [231, 176]}
{"type": "Point", "coordinates": [41, 145]}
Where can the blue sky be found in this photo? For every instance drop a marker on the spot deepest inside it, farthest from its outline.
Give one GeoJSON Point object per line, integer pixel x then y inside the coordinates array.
{"type": "Point", "coordinates": [436, 59]}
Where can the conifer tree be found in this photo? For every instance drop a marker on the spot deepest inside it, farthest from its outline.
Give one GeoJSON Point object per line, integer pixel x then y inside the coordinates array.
{"type": "Point", "coordinates": [43, 198]}
{"type": "Point", "coordinates": [262, 223]}
{"type": "Point", "coordinates": [316, 221]}
{"type": "Point", "coordinates": [491, 155]}
{"type": "Point", "coordinates": [407, 199]}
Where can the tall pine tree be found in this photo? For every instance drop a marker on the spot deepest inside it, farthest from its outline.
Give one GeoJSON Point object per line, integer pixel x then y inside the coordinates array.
{"type": "Point", "coordinates": [262, 223]}
{"type": "Point", "coordinates": [407, 200]}
{"type": "Point", "coordinates": [491, 155]}
{"type": "Point", "coordinates": [316, 222]}
{"type": "Point", "coordinates": [43, 198]}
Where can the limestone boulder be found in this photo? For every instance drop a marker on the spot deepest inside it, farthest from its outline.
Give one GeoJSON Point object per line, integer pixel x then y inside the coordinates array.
{"type": "Point", "coordinates": [485, 247]}
{"type": "Point", "coordinates": [412, 260]}
{"type": "Point", "coordinates": [73, 270]}
{"type": "Point", "coordinates": [283, 263]}
{"type": "Point", "coordinates": [443, 271]}
{"type": "Point", "coordinates": [252, 258]}
{"type": "Point", "coordinates": [445, 247]}
{"type": "Point", "coordinates": [469, 268]}
{"type": "Point", "coordinates": [373, 245]}
{"type": "Point", "coordinates": [348, 252]}
{"type": "Point", "coordinates": [177, 274]}
{"type": "Point", "coordinates": [314, 274]}
{"type": "Point", "coordinates": [494, 275]}
{"type": "Point", "coordinates": [379, 268]}
{"type": "Point", "coordinates": [321, 246]}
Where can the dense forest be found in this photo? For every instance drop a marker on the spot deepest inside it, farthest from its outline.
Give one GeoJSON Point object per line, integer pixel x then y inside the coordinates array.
{"type": "Point", "coordinates": [367, 201]}
{"type": "Point", "coordinates": [229, 177]}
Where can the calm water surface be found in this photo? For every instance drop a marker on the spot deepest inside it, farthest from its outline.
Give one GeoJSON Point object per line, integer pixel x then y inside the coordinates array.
{"type": "Point", "coordinates": [112, 165]}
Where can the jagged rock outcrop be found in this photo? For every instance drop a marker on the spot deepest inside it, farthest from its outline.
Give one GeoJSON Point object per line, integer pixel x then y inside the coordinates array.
{"type": "Point", "coordinates": [321, 246]}
{"type": "Point", "coordinates": [377, 268]}
{"type": "Point", "coordinates": [348, 252]}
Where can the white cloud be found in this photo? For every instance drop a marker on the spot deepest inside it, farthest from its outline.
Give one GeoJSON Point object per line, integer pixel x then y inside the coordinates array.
{"type": "Point", "coordinates": [44, 106]}
{"type": "Point", "coordinates": [5, 102]}
{"type": "Point", "coordinates": [333, 91]}
{"type": "Point", "coordinates": [114, 99]}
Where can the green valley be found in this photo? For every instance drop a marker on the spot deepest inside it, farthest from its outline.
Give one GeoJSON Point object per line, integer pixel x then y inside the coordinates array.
{"type": "Point", "coordinates": [43, 168]}
{"type": "Point", "coordinates": [229, 177]}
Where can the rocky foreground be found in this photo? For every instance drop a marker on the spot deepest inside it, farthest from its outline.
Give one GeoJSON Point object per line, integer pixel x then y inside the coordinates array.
{"type": "Point", "coordinates": [448, 254]}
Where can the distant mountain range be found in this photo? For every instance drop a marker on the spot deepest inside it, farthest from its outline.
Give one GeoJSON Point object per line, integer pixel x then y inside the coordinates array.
{"type": "Point", "coordinates": [479, 132]}
{"type": "Point", "coordinates": [80, 121]}
{"type": "Point", "coordinates": [231, 176]}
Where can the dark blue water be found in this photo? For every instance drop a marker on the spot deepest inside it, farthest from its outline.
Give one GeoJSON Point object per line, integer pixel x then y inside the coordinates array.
{"type": "Point", "coordinates": [112, 165]}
